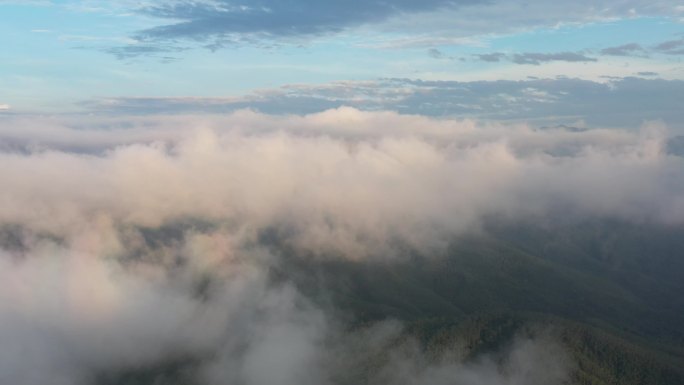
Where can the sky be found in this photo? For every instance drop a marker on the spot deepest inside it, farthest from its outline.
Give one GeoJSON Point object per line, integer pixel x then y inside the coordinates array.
{"type": "Point", "coordinates": [506, 60]}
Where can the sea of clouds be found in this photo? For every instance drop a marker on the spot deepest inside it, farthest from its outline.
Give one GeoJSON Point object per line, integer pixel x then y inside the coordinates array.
{"type": "Point", "coordinates": [129, 242]}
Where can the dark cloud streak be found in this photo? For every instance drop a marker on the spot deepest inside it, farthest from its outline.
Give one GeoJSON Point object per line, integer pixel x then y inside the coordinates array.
{"type": "Point", "coordinates": [133, 51]}
{"type": "Point", "coordinates": [538, 58]}
{"type": "Point", "coordinates": [534, 58]}
{"type": "Point", "coordinates": [672, 47]}
{"type": "Point", "coordinates": [623, 50]}
{"type": "Point", "coordinates": [491, 57]}
{"type": "Point", "coordinates": [278, 18]}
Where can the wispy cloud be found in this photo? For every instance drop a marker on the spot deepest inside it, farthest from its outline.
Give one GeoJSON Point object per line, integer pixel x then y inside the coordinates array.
{"type": "Point", "coordinates": [535, 58]}
{"type": "Point", "coordinates": [617, 102]}
{"type": "Point", "coordinates": [538, 58]}
{"type": "Point", "coordinates": [423, 41]}
{"type": "Point", "coordinates": [136, 50]}
{"type": "Point", "coordinates": [671, 47]}
{"type": "Point", "coordinates": [494, 57]}
{"type": "Point", "coordinates": [623, 50]}
{"type": "Point", "coordinates": [275, 18]}
{"type": "Point", "coordinates": [423, 24]}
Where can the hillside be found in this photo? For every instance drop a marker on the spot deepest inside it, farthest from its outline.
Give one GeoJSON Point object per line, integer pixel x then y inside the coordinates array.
{"type": "Point", "coordinates": [604, 288]}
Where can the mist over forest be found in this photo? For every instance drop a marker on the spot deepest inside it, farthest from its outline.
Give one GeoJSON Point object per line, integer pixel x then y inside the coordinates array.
{"type": "Point", "coordinates": [341, 247]}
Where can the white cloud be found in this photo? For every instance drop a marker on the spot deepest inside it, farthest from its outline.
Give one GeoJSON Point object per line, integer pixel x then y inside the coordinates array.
{"type": "Point", "coordinates": [332, 176]}
{"type": "Point", "coordinates": [95, 275]}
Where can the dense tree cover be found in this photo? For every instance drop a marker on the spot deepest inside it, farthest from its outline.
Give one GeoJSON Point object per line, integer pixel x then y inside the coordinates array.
{"type": "Point", "coordinates": [609, 292]}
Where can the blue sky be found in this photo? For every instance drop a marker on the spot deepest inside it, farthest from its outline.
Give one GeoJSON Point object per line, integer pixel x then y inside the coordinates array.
{"type": "Point", "coordinates": [69, 56]}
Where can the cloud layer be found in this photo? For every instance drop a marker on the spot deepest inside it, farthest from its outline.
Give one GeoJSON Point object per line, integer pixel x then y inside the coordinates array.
{"type": "Point", "coordinates": [277, 18]}
{"type": "Point", "coordinates": [328, 175]}
{"type": "Point", "coordinates": [202, 20]}
{"type": "Point", "coordinates": [130, 243]}
{"type": "Point", "coordinates": [615, 103]}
